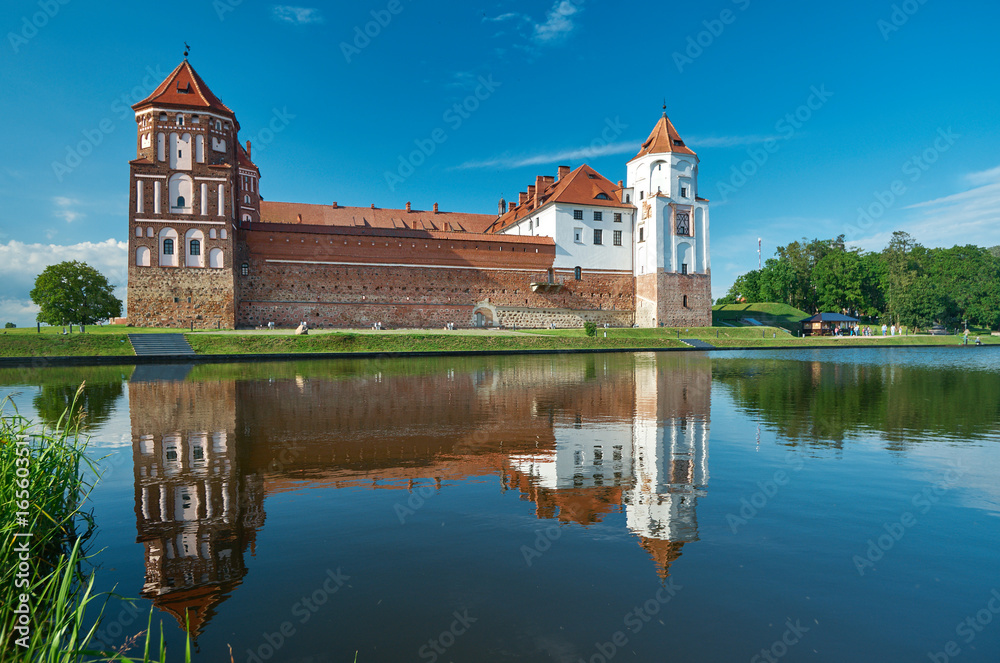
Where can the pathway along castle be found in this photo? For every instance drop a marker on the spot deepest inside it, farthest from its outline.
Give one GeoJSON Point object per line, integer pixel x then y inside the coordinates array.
{"type": "Point", "coordinates": [206, 249]}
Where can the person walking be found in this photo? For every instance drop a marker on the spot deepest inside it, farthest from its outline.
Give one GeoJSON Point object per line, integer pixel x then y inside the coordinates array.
{"type": "Point", "coordinates": [884, 329]}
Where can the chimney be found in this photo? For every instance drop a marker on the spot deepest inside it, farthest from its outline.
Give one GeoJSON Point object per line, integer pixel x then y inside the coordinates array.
{"type": "Point", "coordinates": [435, 208]}
{"type": "Point", "coordinates": [407, 205]}
{"type": "Point", "coordinates": [335, 204]}
{"type": "Point", "coordinates": [298, 219]}
{"type": "Point", "coordinates": [248, 149]}
{"type": "Point", "coordinates": [522, 198]}
{"type": "Point", "coordinates": [373, 205]}
{"type": "Point", "coordinates": [511, 206]}
{"type": "Point", "coordinates": [563, 172]}
{"type": "Point", "coordinates": [620, 183]}
{"type": "Point", "coordinates": [531, 192]}
{"type": "Point", "coordinates": [416, 224]}
{"type": "Point", "coordinates": [539, 184]}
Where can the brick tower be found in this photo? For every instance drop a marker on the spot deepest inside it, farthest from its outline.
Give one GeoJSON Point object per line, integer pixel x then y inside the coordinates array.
{"type": "Point", "coordinates": [192, 186]}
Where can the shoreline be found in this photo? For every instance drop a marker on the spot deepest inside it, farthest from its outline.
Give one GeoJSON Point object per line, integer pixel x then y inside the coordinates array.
{"type": "Point", "coordinates": [117, 360]}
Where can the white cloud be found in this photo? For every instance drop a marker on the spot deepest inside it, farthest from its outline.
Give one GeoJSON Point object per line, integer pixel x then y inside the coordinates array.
{"type": "Point", "coordinates": [558, 22]}
{"type": "Point", "coordinates": [297, 15]}
{"type": "Point", "coordinates": [66, 209]}
{"type": "Point", "coordinates": [968, 217]}
{"type": "Point", "coordinates": [508, 161]}
{"type": "Point", "coordinates": [20, 263]}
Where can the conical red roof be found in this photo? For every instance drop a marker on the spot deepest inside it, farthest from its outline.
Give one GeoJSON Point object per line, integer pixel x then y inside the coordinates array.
{"type": "Point", "coordinates": [184, 88]}
{"type": "Point", "coordinates": [664, 138]}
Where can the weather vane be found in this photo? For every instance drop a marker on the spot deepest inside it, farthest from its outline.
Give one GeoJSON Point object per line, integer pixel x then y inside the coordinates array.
{"type": "Point", "coordinates": [187, 49]}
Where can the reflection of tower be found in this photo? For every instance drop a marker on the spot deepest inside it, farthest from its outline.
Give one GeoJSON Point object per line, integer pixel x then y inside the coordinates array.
{"type": "Point", "coordinates": [671, 455]}
{"type": "Point", "coordinates": [195, 513]}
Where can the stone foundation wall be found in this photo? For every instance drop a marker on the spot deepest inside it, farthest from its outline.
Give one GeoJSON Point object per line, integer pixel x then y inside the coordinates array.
{"type": "Point", "coordinates": [180, 297]}
{"type": "Point", "coordinates": [660, 300]}
{"type": "Point", "coordinates": [528, 318]}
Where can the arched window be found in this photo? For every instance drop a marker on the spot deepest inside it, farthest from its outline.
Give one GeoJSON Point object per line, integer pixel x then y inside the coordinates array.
{"type": "Point", "coordinates": [211, 233]}
{"type": "Point", "coordinates": [223, 234]}
{"type": "Point", "coordinates": [181, 191]}
{"type": "Point", "coordinates": [138, 231]}
{"type": "Point", "coordinates": [163, 117]}
{"type": "Point", "coordinates": [215, 259]}
{"type": "Point", "coordinates": [194, 239]}
{"type": "Point", "coordinates": [180, 201]}
{"type": "Point", "coordinates": [685, 301]}
{"type": "Point", "coordinates": [180, 120]}
{"type": "Point", "coordinates": [168, 243]}
{"type": "Point", "coordinates": [602, 196]}
{"type": "Point", "coordinates": [142, 256]}
{"type": "Point", "coordinates": [245, 269]}
{"type": "Point", "coordinates": [246, 199]}
{"type": "Point", "coordinates": [149, 231]}
{"type": "Point", "coordinates": [218, 125]}
{"type": "Point", "coordinates": [577, 273]}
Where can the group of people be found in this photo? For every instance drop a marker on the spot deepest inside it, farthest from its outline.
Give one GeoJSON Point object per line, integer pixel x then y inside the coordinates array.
{"type": "Point", "coordinates": [892, 329]}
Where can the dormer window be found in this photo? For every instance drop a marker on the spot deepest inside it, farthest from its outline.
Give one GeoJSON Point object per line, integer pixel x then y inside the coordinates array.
{"type": "Point", "coordinates": [186, 89]}
{"type": "Point", "coordinates": [602, 196]}
{"type": "Point", "coordinates": [678, 143]}
{"type": "Point", "coordinates": [592, 176]}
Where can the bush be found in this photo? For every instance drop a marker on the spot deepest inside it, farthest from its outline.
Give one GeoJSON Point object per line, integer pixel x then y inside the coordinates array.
{"type": "Point", "coordinates": [590, 328]}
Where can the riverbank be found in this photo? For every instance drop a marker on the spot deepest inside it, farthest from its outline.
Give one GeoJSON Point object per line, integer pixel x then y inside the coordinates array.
{"type": "Point", "coordinates": [111, 345]}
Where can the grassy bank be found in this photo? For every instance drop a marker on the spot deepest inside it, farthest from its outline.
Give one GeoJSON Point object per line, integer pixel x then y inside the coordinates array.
{"type": "Point", "coordinates": [46, 578]}
{"type": "Point", "coordinates": [208, 343]}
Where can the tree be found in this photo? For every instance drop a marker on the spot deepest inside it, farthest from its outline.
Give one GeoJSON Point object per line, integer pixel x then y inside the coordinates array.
{"type": "Point", "coordinates": [9, 325]}
{"type": "Point", "coordinates": [74, 293]}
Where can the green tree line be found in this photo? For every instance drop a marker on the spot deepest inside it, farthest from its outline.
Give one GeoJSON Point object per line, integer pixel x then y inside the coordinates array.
{"type": "Point", "coordinates": [905, 283]}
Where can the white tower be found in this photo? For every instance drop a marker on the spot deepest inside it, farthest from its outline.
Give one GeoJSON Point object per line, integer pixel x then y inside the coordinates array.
{"type": "Point", "coordinates": [672, 268]}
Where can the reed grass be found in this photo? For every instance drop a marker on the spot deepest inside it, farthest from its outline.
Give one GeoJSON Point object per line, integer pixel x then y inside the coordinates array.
{"type": "Point", "coordinates": [43, 493]}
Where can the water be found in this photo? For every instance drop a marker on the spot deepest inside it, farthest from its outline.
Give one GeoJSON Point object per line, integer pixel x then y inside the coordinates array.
{"type": "Point", "coordinates": [816, 505]}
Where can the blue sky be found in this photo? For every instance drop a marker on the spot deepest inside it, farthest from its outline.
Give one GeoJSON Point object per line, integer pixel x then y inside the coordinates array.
{"type": "Point", "coordinates": [890, 107]}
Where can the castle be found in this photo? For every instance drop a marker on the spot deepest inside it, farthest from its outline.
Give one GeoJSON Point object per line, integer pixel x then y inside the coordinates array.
{"type": "Point", "coordinates": [206, 250]}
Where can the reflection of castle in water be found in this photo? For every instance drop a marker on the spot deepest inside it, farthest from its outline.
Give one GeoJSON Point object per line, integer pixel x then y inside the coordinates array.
{"type": "Point", "coordinates": [655, 462]}
{"type": "Point", "coordinates": [580, 437]}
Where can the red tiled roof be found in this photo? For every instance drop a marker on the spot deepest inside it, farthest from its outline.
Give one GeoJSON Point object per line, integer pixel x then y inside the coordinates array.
{"type": "Point", "coordinates": [664, 138]}
{"type": "Point", "coordinates": [580, 187]}
{"type": "Point", "coordinates": [195, 93]}
{"type": "Point", "coordinates": [367, 217]}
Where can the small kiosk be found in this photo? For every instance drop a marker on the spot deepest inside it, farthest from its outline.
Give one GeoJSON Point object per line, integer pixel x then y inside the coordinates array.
{"type": "Point", "coordinates": [824, 324]}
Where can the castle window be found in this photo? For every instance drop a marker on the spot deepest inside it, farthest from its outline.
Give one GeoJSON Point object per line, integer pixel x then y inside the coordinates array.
{"type": "Point", "coordinates": [684, 268]}
{"type": "Point", "coordinates": [641, 233]}
{"type": "Point", "coordinates": [138, 231]}
{"type": "Point", "coordinates": [598, 216]}
{"type": "Point", "coordinates": [684, 192]}
{"type": "Point", "coordinates": [194, 239]}
{"type": "Point", "coordinates": [195, 248]}
{"type": "Point", "coordinates": [578, 235]}
{"type": "Point", "coordinates": [577, 273]}
{"type": "Point", "coordinates": [628, 197]}
{"type": "Point", "coordinates": [618, 217]}
{"type": "Point", "coordinates": [598, 236]}
{"type": "Point", "coordinates": [223, 234]}
{"type": "Point", "coordinates": [142, 256]}
{"type": "Point", "coordinates": [641, 195]}
{"type": "Point", "coordinates": [168, 247]}
{"type": "Point", "coordinates": [244, 269]}
{"type": "Point", "coordinates": [218, 125]}
{"type": "Point", "coordinates": [578, 215]}
{"type": "Point", "coordinates": [163, 117]}
{"type": "Point", "coordinates": [195, 119]}
{"type": "Point", "coordinates": [618, 238]}
{"type": "Point", "coordinates": [246, 199]}
{"type": "Point", "coordinates": [180, 120]}
{"type": "Point", "coordinates": [215, 259]}
{"type": "Point", "coordinates": [685, 301]}
{"type": "Point", "coordinates": [211, 233]}
{"type": "Point", "coordinates": [180, 201]}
